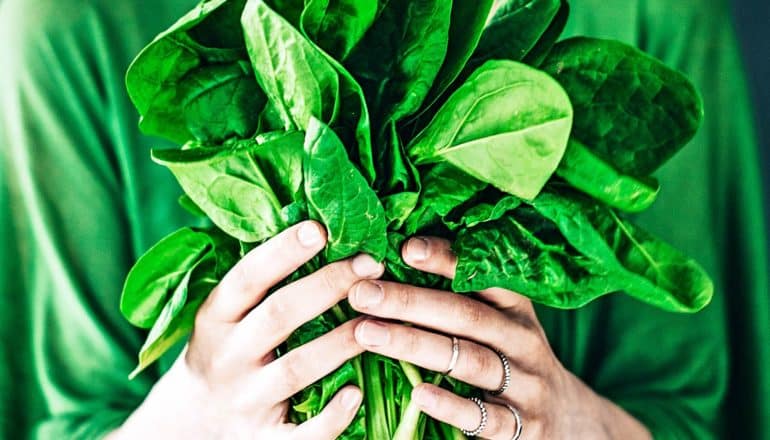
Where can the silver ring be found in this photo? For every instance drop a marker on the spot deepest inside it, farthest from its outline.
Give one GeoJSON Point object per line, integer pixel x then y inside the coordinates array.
{"type": "Point", "coordinates": [455, 355]}
{"type": "Point", "coordinates": [484, 415]}
{"type": "Point", "coordinates": [519, 426]}
{"type": "Point", "coordinates": [506, 375]}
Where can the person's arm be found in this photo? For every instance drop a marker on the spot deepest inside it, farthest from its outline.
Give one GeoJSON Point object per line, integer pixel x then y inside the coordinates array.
{"type": "Point", "coordinates": [76, 243]}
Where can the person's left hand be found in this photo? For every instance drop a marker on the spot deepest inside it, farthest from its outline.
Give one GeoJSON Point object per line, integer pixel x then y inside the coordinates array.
{"type": "Point", "coordinates": [499, 325]}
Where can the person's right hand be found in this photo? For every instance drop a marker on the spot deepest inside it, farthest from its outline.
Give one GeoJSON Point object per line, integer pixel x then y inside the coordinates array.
{"type": "Point", "coordinates": [227, 383]}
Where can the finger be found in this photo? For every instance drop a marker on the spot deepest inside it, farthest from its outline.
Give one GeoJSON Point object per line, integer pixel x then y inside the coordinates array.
{"type": "Point", "coordinates": [247, 282]}
{"type": "Point", "coordinates": [334, 419]}
{"type": "Point", "coordinates": [445, 312]}
{"type": "Point", "coordinates": [463, 413]}
{"type": "Point", "coordinates": [476, 364]}
{"type": "Point", "coordinates": [270, 323]}
{"type": "Point", "coordinates": [304, 365]}
{"type": "Point", "coordinates": [435, 255]}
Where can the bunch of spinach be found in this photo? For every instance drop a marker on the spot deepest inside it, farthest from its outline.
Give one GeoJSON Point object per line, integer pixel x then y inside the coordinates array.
{"type": "Point", "coordinates": [386, 118]}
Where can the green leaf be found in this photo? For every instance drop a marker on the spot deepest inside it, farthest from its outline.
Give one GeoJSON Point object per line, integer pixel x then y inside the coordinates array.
{"type": "Point", "coordinates": [173, 300]}
{"type": "Point", "coordinates": [233, 190]}
{"type": "Point", "coordinates": [543, 47]}
{"type": "Point", "coordinates": [396, 63]}
{"type": "Point", "coordinates": [564, 252]}
{"type": "Point", "coordinates": [595, 177]}
{"type": "Point", "coordinates": [508, 125]}
{"type": "Point", "coordinates": [338, 25]}
{"type": "Point", "coordinates": [220, 102]}
{"type": "Point", "coordinates": [400, 56]}
{"type": "Point", "coordinates": [630, 109]}
{"type": "Point", "coordinates": [466, 26]}
{"type": "Point", "coordinates": [157, 273]}
{"type": "Point", "coordinates": [188, 205]}
{"type": "Point", "coordinates": [514, 30]}
{"type": "Point", "coordinates": [444, 188]}
{"type": "Point", "coordinates": [295, 75]}
{"type": "Point", "coordinates": [197, 62]}
{"type": "Point", "coordinates": [487, 212]}
{"type": "Point", "coordinates": [339, 197]}
{"type": "Point", "coordinates": [304, 82]}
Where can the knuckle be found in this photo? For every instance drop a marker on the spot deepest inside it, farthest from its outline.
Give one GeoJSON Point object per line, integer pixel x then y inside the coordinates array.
{"type": "Point", "coordinates": [398, 295]}
{"type": "Point", "coordinates": [331, 277]}
{"type": "Point", "coordinates": [470, 314]}
{"type": "Point", "coordinates": [479, 362]}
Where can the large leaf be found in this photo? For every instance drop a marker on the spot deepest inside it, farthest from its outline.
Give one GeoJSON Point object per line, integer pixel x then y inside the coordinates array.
{"type": "Point", "coordinates": [514, 30]}
{"type": "Point", "coordinates": [304, 82]}
{"type": "Point", "coordinates": [544, 45]}
{"type": "Point", "coordinates": [508, 125]}
{"type": "Point", "coordinates": [595, 177]}
{"type": "Point", "coordinates": [338, 25]}
{"type": "Point", "coordinates": [339, 197]}
{"type": "Point", "coordinates": [233, 190]}
{"type": "Point", "coordinates": [564, 252]}
{"type": "Point", "coordinates": [466, 26]}
{"type": "Point", "coordinates": [198, 62]}
{"type": "Point", "coordinates": [630, 109]}
{"type": "Point", "coordinates": [156, 275]}
{"type": "Point", "coordinates": [296, 76]}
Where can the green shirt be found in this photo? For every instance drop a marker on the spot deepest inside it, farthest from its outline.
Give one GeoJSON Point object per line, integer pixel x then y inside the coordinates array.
{"type": "Point", "coordinates": [86, 201]}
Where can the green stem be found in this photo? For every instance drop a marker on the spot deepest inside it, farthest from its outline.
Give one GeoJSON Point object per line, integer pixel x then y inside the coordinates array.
{"type": "Point", "coordinates": [376, 416]}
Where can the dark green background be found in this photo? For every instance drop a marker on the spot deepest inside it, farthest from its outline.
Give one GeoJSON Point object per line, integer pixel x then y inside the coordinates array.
{"type": "Point", "coordinates": [752, 19]}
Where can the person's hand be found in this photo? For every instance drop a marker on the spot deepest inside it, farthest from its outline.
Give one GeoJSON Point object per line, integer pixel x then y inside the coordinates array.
{"type": "Point", "coordinates": [498, 328]}
{"type": "Point", "coordinates": [227, 384]}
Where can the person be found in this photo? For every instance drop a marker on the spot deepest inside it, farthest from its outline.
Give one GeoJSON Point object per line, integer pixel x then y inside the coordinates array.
{"type": "Point", "coordinates": [91, 202]}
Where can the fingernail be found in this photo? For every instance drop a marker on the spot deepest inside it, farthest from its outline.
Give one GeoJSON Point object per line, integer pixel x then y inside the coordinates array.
{"type": "Point", "coordinates": [366, 266]}
{"type": "Point", "coordinates": [309, 234]}
{"type": "Point", "coordinates": [417, 249]}
{"type": "Point", "coordinates": [372, 334]}
{"type": "Point", "coordinates": [351, 398]}
{"type": "Point", "coordinates": [424, 397]}
{"type": "Point", "coordinates": [368, 295]}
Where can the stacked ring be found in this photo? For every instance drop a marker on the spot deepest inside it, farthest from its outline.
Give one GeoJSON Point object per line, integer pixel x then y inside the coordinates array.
{"type": "Point", "coordinates": [506, 375]}
{"type": "Point", "coordinates": [484, 416]}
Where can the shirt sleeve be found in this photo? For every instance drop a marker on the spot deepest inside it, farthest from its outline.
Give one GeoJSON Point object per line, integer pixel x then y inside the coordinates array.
{"type": "Point", "coordinates": [68, 187]}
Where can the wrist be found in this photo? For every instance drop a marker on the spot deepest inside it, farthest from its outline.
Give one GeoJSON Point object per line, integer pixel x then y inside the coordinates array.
{"type": "Point", "coordinates": [176, 397]}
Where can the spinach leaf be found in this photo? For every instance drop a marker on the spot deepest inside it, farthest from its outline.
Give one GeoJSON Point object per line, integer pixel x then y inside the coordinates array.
{"type": "Point", "coordinates": [294, 75]}
{"type": "Point", "coordinates": [303, 82]}
{"type": "Point", "coordinates": [508, 125]}
{"type": "Point", "coordinates": [444, 188]}
{"type": "Point", "coordinates": [486, 212]}
{"type": "Point", "coordinates": [232, 189]}
{"type": "Point", "coordinates": [155, 276]}
{"type": "Point", "coordinates": [564, 252]}
{"type": "Point", "coordinates": [466, 26]}
{"type": "Point", "coordinates": [338, 25]}
{"type": "Point", "coordinates": [197, 62]}
{"type": "Point", "coordinates": [339, 197]}
{"type": "Point", "coordinates": [595, 177]}
{"type": "Point", "coordinates": [514, 30]}
{"type": "Point", "coordinates": [630, 109]}
{"type": "Point", "coordinates": [399, 58]}
{"type": "Point", "coordinates": [154, 291]}
{"type": "Point", "coordinates": [543, 47]}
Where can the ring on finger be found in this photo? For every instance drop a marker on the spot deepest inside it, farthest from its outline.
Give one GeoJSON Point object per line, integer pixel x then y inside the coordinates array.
{"type": "Point", "coordinates": [506, 375]}
{"type": "Point", "coordinates": [455, 355]}
{"type": "Point", "coordinates": [519, 425]}
{"type": "Point", "coordinates": [483, 423]}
